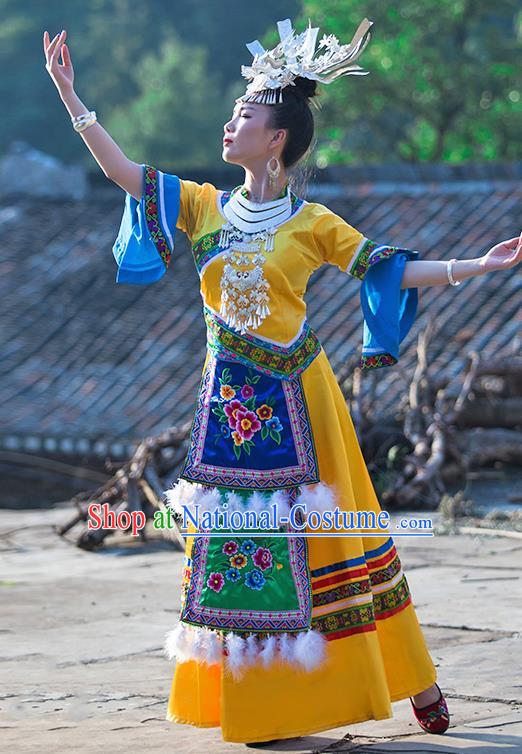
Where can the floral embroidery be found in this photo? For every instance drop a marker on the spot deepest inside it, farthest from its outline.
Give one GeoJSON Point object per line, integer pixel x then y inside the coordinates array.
{"type": "Point", "coordinates": [255, 579]}
{"type": "Point", "coordinates": [247, 391]}
{"type": "Point", "coordinates": [274, 424]}
{"type": "Point", "coordinates": [232, 574]}
{"type": "Point", "coordinates": [263, 441]}
{"type": "Point", "coordinates": [230, 548]}
{"type": "Point", "coordinates": [240, 419]}
{"type": "Point", "coordinates": [264, 411]}
{"type": "Point", "coordinates": [238, 556]}
{"type": "Point", "coordinates": [215, 581]}
{"type": "Point", "coordinates": [185, 580]}
{"type": "Point", "coordinates": [248, 546]}
{"type": "Point", "coordinates": [252, 599]}
{"type": "Point", "coordinates": [239, 560]}
{"type": "Point", "coordinates": [262, 558]}
{"type": "Point", "coordinates": [227, 392]}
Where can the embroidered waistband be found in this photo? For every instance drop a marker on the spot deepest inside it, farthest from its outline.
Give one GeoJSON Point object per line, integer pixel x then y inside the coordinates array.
{"type": "Point", "coordinates": [284, 362]}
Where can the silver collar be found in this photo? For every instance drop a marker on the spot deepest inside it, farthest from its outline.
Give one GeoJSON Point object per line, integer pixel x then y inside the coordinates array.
{"type": "Point", "coordinates": [252, 217]}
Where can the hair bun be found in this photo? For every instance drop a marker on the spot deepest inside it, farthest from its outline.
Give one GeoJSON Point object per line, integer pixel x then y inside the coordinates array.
{"type": "Point", "coordinates": [306, 87]}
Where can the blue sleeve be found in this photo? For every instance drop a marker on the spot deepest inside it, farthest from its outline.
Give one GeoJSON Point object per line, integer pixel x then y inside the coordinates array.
{"type": "Point", "coordinates": [145, 241]}
{"type": "Point", "coordinates": [389, 310]}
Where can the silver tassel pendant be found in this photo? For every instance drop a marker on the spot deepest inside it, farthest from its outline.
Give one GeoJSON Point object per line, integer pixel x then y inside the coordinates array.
{"type": "Point", "coordinates": [269, 242]}
{"type": "Point", "coordinates": [244, 292]}
{"type": "Point", "coordinates": [224, 236]}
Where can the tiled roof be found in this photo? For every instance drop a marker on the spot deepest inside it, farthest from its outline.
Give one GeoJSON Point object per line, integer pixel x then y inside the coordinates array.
{"type": "Point", "coordinates": [92, 366]}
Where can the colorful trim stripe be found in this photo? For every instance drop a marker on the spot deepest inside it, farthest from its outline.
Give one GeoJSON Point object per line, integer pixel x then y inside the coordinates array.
{"type": "Point", "coordinates": [370, 253]}
{"type": "Point", "coordinates": [377, 360]}
{"type": "Point", "coordinates": [206, 248]}
{"type": "Point", "coordinates": [284, 362]}
{"type": "Point", "coordinates": [354, 561]}
{"type": "Point", "coordinates": [152, 214]}
{"type": "Point", "coordinates": [349, 596]}
{"type": "Point", "coordinates": [359, 263]}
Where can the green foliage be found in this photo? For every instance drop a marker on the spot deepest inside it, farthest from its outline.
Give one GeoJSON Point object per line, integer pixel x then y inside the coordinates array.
{"type": "Point", "coordinates": [444, 79]}
{"type": "Point", "coordinates": [165, 118]}
{"type": "Point", "coordinates": [191, 51]}
{"type": "Point", "coordinates": [444, 82]}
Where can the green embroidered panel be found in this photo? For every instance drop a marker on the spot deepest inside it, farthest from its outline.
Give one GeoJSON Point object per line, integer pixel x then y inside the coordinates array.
{"type": "Point", "coordinates": [251, 573]}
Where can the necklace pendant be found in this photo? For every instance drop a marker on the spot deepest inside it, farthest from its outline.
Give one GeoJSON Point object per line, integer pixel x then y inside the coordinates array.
{"type": "Point", "coordinates": [224, 236]}
{"type": "Point", "coordinates": [245, 246]}
{"type": "Point", "coordinates": [244, 288]}
{"type": "Point", "coordinates": [269, 243]}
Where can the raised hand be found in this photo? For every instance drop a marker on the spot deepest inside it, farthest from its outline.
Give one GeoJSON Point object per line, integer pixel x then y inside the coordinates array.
{"type": "Point", "coordinates": [503, 255]}
{"type": "Point", "coordinates": [61, 73]}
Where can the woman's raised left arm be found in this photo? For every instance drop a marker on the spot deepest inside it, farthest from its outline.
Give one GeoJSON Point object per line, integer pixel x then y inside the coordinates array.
{"type": "Point", "coordinates": [504, 255]}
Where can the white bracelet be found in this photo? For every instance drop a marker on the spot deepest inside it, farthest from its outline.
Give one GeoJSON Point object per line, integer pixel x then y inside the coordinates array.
{"type": "Point", "coordinates": [81, 122]}
{"type": "Point", "coordinates": [449, 268]}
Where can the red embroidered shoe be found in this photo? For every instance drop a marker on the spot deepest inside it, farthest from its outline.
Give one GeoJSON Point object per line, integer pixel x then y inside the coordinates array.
{"type": "Point", "coordinates": [434, 718]}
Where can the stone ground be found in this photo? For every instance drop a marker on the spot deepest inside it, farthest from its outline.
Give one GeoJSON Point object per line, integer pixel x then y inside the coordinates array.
{"type": "Point", "coordinates": [83, 669]}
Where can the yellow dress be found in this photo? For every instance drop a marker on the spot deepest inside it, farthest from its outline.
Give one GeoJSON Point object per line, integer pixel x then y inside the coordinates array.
{"type": "Point", "coordinates": [359, 599]}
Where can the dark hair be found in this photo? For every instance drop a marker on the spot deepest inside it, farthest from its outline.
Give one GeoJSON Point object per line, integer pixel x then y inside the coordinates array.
{"type": "Point", "coordinates": [295, 115]}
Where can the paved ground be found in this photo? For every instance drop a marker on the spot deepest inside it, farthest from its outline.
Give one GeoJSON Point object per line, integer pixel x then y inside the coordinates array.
{"type": "Point", "coordinates": [83, 671]}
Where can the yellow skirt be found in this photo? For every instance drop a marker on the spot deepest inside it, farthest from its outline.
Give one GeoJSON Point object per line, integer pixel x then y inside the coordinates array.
{"type": "Point", "coordinates": [376, 655]}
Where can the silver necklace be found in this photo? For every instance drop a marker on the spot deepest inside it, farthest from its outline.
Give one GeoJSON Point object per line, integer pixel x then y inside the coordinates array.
{"type": "Point", "coordinates": [244, 288]}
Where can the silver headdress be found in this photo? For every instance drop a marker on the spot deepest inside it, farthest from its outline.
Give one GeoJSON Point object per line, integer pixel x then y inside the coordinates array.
{"type": "Point", "coordinates": [272, 70]}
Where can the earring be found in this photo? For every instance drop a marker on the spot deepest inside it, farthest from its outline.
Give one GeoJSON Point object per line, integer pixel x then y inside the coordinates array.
{"type": "Point", "coordinates": [273, 173]}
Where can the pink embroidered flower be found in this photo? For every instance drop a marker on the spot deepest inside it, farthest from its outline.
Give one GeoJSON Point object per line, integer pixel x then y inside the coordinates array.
{"type": "Point", "coordinates": [230, 547]}
{"type": "Point", "coordinates": [215, 581]}
{"type": "Point", "coordinates": [262, 558]}
{"type": "Point", "coordinates": [247, 391]}
{"type": "Point", "coordinates": [247, 423]}
{"type": "Point", "coordinates": [231, 410]}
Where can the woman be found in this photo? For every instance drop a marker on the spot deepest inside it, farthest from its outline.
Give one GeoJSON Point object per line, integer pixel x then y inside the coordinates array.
{"type": "Point", "coordinates": [286, 635]}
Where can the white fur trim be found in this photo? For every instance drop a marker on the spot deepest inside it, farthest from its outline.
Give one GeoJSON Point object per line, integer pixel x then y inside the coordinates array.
{"type": "Point", "coordinates": [235, 660]}
{"type": "Point", "coordinates": [319, 497]}
{"type": "Point", "coordinates": [285, 648]}
{"type": "Point", "coordinates": [186, 642]}
{"type": "Point", "coordinates": [251, 651]}
{"type": "Point", "coordinates": [267, 654]}
{"type": "Point", "coordinates": [215, 649]}
{"type": "Point", "coordinates": [304, 651]}
{"type": "Point", "coordinates": [189, 494]}
{"type": "Point", "coordinates": [322, 497]}
{"type": "Point", "coordinates": [178, 644]}
{"type": "Point", "coordinates": [309, 649]}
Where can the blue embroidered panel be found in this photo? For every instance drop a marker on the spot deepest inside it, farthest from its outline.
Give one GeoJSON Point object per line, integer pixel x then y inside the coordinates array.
{"type": "Point", "coordinates": [250, 430]}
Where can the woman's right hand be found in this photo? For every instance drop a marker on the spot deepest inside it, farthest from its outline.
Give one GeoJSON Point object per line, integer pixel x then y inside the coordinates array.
{"type": "Point", "coordinates": [61, 73]}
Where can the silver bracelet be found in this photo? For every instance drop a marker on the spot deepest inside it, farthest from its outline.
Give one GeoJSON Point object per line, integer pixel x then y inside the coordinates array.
{"type": "Point", "coordinates": [449, 268]}
{"type": "Point", "coordinates": [81, 122]}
